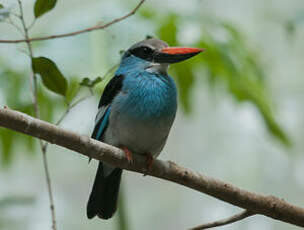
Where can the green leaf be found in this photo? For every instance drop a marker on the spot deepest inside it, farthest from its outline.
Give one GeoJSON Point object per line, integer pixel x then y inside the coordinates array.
{"type": "Point", "coordinates": [147, 13]}
{"type": "Point", "coordinates": [121, 52]}
{"type": "Point", "coordinates": [16, 200]}
{"type": "Point", "coordinates": [90, 83]}
{"type": "Point", "coordinates": [72, 90]}
{"type": "Point", "coordinates": [85, 82]}
{"type": "Point", "coordinates": [96, 81]}
{"type": "Point", "coordinates": [51, 76]}
{"type": "Point", "coordinates": [4, 13]}
{"type": "Point", "coordinates": [43, 6]}
{"type": "Point", "coordinates": [6, 137]}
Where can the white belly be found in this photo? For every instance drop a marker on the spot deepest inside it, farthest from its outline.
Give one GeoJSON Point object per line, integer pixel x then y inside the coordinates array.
{"type": "Point", "coordinates": [140, 137]}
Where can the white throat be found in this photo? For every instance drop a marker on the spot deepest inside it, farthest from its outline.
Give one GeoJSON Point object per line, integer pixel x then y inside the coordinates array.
{"type": "Point", "coordinates": [157, 67]}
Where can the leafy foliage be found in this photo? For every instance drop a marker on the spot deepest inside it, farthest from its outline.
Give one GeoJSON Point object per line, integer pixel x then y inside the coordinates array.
{"type": "Point", "coordinates": [90, 83]}
{"type": "Point", "coordinates": [4, 13]}
{"type": "Point", "coordinates": [51, 76]}
{"type": "Point", "coordinates": [12, 86]}
{"type": "Point", "coordinates": [7, 137]}
{"type": "Point", "coordinates": [230, 62]}
{"type": "Point", "coordinates": [43, 6]}
{"type": "Point", "coordinates": [16, 94]}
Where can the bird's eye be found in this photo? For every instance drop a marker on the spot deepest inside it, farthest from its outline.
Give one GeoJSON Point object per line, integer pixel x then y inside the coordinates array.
{"type": "Point", "coordinates": [147, 50]}
{"type": "Point", "coordinates": [143, 52]}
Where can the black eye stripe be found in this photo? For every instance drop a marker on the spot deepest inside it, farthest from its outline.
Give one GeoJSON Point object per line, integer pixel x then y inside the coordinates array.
{"type": "Point", "coordinates": [143, 52]}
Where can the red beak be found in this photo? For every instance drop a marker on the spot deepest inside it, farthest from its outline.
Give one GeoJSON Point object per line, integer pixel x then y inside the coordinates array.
{"type": "Point", "coordinates": [175, 54]}
{"type": "Point", "coordinates": [181, 50]}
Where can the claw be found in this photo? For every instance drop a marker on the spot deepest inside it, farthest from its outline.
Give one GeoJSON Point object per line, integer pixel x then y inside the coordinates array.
{"type": "Point", "coordinates": [128, 154]}
{"type": "Point", "coordinates": [149, 163]}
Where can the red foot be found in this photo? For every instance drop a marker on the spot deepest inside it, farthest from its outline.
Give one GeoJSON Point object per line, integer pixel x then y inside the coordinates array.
{"type": "Point", "coordinates": [128, 154]}
{"type": "Point", "coordinates": [149, 162]}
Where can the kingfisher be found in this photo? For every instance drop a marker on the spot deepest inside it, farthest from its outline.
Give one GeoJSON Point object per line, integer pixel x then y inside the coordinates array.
{"type": "Point", "coordinates": [135, 113]}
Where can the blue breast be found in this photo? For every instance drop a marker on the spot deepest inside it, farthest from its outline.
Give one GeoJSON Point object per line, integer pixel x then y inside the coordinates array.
{"type": "Point", "coordinates": [145, 95]}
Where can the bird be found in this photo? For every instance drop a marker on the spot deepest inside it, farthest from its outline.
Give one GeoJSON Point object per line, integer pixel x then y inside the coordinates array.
{"type": "Point", "coordinates": [135, 113]}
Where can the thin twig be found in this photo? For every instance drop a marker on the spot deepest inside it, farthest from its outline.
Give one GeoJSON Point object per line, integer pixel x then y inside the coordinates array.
{"type": "Point", "coordinates": [66, 113]}
{"type": "Point", "coordinates": [70, 107]}
{"type": "Point", "coordinates": [96, 27]}
{"type": "Point", "coordinates": [33, 83]}
{"type": "Point", "coordinates": [32, 24]}
{"type": "Point", "coordinates": [33, 78]}
{"type": "Point", "coordinates": [11, 22]}
{"type": "Point", "coordinates": [25, 52]}
{"type": "Point", "coordinates": [225, 221]}
{"type": "Point", "coordinates": [16, 15]}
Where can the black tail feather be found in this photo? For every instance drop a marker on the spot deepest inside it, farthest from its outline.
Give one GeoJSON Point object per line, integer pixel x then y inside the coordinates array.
{"type": "Point", "coordinates": [104, 195]}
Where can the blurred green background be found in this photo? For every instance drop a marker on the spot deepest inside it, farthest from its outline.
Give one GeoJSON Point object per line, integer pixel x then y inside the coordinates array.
{"type": "Point", "coordinates": [240, 119]}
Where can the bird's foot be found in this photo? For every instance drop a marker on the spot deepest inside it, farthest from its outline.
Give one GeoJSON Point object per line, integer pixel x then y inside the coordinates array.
{"type": "Point", "coordinates": [149, 163]}
{"type": "Point", "coordinates": [128, 154]}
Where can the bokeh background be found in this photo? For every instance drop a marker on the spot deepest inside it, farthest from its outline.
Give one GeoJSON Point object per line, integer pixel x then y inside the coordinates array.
{"type": "Point", "coordinates": [240, 117]}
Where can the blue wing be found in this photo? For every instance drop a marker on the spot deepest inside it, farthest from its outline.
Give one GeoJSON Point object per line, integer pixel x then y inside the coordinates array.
{"type": "Point", "coordinates": [101, 123]}
{"type": "Point", "coordinates": [102, 117]}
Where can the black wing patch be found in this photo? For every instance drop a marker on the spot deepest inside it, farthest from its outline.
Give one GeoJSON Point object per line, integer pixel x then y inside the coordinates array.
{"type": "Point", "coordinates": [101, 126]}
{"type": "Point", "coordinates": [111, 90]}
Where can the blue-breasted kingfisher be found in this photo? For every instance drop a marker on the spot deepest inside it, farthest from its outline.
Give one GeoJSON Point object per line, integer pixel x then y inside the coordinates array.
{"type": "Point", "coordinates": [135, 113]}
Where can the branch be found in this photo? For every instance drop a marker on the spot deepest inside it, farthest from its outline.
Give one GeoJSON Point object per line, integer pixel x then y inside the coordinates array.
{"type": "Point", "coordinates": [225, 221]}
{"type": "Point", "coordinates": [270, 206]}
{"type": "Point", "coordinates": [96, 27]}
{"type": "Point", "coordinates": [71, 106]}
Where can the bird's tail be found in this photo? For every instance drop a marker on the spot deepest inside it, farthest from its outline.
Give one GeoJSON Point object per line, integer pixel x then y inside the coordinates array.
{"type": "Point", "coordinates": [104, 195]}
